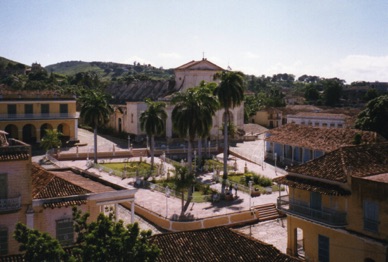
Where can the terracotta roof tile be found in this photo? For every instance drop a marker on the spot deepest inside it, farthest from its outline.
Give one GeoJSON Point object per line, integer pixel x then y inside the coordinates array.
{"type": "Point", "coordinates": [47, 185]}
{"type": "Point", "coordinates": [370, 160]}
{"type": "Point", "coordinates": [215, 244]}
{"type": "Point", "coordinates": [359, 161]}
{"type": "Point", "coordinates": [324, 139]}
{"type": "Point", "coordinates": [311, 185]}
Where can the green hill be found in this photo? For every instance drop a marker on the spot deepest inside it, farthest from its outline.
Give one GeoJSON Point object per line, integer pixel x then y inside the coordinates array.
{"type": "Point", "coordinates": [111, 71]}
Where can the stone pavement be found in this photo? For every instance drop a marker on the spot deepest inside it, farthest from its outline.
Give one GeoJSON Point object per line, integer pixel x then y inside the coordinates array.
{"type": "Point", "coordinates": [168, 206]}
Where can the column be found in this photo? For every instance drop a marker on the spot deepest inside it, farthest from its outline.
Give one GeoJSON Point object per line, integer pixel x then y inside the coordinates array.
{"type": "Point", "coordinates": [37, 134]}
{"type": "Point", "coordinates": [133, 212]}
{"type": "Point", "coordinates": [116, 212]}
{"type": "Point", "coordinates": [30, 217]}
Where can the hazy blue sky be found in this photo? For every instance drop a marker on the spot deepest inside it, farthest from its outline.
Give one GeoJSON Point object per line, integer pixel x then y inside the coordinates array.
{"type": "Point", "coordinates": [330, 38]}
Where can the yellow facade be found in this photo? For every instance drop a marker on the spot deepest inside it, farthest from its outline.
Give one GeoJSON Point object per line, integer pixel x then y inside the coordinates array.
{"type": "Point", "coordinates": [27, 118]}
{"type": "Point", "coordinates": [346, 242]}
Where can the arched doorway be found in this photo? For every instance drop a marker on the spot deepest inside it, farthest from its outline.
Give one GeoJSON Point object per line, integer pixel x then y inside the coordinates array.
{"type": "Point", "coordinates": [64, 129]}
{"type": "Point", "coordinates": [29, 133]}
{"type": "Point", "coordinates": [43, 129]}
{"type": "Point", "coordinates": [120, 125]}
{"type": "Point", "coordinates": [12, 131]}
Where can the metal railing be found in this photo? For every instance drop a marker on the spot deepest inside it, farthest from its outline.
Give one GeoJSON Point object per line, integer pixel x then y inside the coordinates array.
{"type": "Point", "coordinates": [325, 215]}
{"type": "Point", "coordinates": [39, 116]}
{"type": "Point", "coordinates": [10, 204]}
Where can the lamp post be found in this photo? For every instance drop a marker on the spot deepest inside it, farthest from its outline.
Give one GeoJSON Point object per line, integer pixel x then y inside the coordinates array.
{"type": "Point", "coordinates": [276, 158]}
{"type": "Point", "coordinates": [129, 142]}
{"type": "Point", "coordinates": [168, 191]}
{"type": "Point", "coordinates": [250, 194]}
{"type": "Point", "coordinates": [195, 161]}
{"type": "Point", "coordinates": [208, 146]}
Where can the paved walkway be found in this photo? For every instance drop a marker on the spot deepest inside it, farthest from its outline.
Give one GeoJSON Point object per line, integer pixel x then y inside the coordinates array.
{"type": "Point", "coordinates": [159, 203]}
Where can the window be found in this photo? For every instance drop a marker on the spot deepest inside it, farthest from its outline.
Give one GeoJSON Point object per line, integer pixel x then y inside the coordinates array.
{"type": "Point", "coordinates": [316, 124]}
{"type": "Point", "coordinates": [3, 186]}
{"type": "Point", "coordinates": [11, 109]}
{"type": "Point", "coordinates": [63, 109]}
{"type": "Point", "coordinates": [339, 125]}
{"type": "Point", "coordinates": [315, 200]}
{"type": "Point", "coordinates": [371, 215]}
{"type": "Point", "coordinates": [332, 125]}
{"type": "Point", "coordinates": [65, 232]}
{"type": "Point", "coordinates": [44, 108]}
{"type": "Point", "coordinates": [3, 241]}
{"type": "Point", "coordinates": [323, 249]}
{"type": "Point", "coordinates": [131, 118]}
{"type": "Point", "coordinates": [28, 109]}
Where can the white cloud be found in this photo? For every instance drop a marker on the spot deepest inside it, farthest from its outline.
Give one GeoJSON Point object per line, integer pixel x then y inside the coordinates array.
{"type": "Point", "coordinates": [361, 67]}
{"type": "Point", "coordinates": [250, 55]}
{"type": "Point", "coordinates": [170, 56]}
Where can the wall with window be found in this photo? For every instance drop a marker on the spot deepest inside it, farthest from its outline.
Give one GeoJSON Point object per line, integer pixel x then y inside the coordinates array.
{"type": "Point", "coordinates": [368, 214]}
{"type": "Point", "coordinates": [53, 220]}
{"type": "Point", "coordinates": [320, 241]}
{"type": "Point", "coordinates": [15, 182]}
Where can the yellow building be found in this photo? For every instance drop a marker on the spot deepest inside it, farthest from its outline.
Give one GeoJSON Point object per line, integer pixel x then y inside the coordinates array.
{"type": "Point", "coordinates": [337, 208]}
{"type": "Point", "coordinates": [25, 116]}
{"type": "Point", "coordinates": [44, 199]}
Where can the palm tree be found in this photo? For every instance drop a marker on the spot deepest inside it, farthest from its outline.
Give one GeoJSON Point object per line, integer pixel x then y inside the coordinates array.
{"type": "Point", "coordinates": [183, 181]}
{"type": "Point", "coordinates": [230, 94]}
{"type": "Point", "coordinates": [193, 116]}
{"type": "Point", "coordinates": [51, 139]}
{"type": "Point", "coordinates": [95, 112]}
{"type": "Point", "coordinates": [152, 121]}
{"type": "Point", "coordinates": [205, 94]}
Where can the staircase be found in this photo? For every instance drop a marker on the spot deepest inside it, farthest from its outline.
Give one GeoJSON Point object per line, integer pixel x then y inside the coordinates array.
{"type": "Point", "coordinates": [267, 212]}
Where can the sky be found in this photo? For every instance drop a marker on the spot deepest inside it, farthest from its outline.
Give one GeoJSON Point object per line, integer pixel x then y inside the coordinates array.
{"type": "Point", "coordinates": [347, 39]}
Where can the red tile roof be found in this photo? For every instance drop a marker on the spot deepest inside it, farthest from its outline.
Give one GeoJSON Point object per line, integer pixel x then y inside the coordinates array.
{"type": "Point", "coordinates": [324, 139]}
{"type": "Point", "coordinates": [215, 244]}
{"type": "Point", "coordinates": [63, 187]}
{"type": "Point", "coordinates": [193, 63]}
{"type": "Point", "coordinates": [45, 185]}
{"type": "Point", "coordinates": [370, 160]}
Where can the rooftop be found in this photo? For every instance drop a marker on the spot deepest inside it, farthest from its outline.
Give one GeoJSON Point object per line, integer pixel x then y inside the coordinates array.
{"type": "Point", "coordinates": [215, 244]}
{"type": "Point", "coordinates": [316, 138]}
{"type": "Point", "coordinates": [369, 161]}
{"type": "Point", "coordinates": [54, 186]}
{"type": "Point", "coordinates": [318, 115]}
{"type": "Point", "coordinates": [199, 65]}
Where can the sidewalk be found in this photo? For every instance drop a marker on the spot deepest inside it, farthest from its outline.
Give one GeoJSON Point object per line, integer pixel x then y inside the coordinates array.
{"type": "Point", "coordinates": [168, 206]}
{"type": "Point", "coordinates": [157, 201]}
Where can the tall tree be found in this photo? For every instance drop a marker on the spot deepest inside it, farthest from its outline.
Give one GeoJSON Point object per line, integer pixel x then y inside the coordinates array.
{"type": "Point", "coordinates": [230, 94]}
{"type": "Point", "coordinates": [152, 121]}
{"type": "Point", "coordinates": [374, 116]}
{"type": "Point", "coordinates": [209, 106]}
{"type": "Point", "coordinates": [332, 91]}
{"type": "Point", "coordinates": [95, 112]}
{"type": "Point", "coordinates": [192, 116]}
{"type": "Point", "coordinates": [183, 181]}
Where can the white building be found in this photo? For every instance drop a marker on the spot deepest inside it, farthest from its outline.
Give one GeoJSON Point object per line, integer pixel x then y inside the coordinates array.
{"type": "Point", "coordinates": [318, 119]}
{"type": "Point", "coordinates": [127, 117]}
